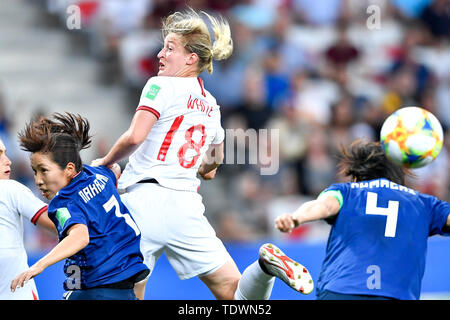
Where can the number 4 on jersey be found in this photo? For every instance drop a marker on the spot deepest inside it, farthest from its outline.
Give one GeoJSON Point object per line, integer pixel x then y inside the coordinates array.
{"type": "Point", "coordinates": [391, 212]}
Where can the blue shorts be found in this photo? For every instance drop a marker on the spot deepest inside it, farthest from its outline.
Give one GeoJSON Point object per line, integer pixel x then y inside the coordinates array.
{"type": "Point", "coordinates": [100, 294]}
{"type": "Point", "coordinates": [330, 295]}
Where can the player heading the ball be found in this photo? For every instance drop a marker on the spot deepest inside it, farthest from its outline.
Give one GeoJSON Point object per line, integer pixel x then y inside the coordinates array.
{"type": "Point", "coordinates": [378, 240]}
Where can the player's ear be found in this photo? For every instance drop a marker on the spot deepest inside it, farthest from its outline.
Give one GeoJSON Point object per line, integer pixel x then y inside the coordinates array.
{"type": "Point", "coordinates": [71, 169]}
{"type": "Point", "coordinates": [192, 58]}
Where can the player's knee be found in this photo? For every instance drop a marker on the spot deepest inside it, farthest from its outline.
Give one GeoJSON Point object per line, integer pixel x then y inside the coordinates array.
{"type": "Point", "coordinates": [222, 283]}
{"type": "Point", "coordinates": [226, 289]}
{"type": "Point", "coordinates": [228, 286]}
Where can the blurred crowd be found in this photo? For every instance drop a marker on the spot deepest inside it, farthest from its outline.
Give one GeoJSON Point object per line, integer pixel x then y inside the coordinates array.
{"type": "Point", "coordinates": [323, 73]}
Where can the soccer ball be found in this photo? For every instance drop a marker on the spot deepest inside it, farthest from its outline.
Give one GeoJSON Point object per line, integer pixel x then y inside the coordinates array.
{"type": "Point", "coordinates": [412, 137]}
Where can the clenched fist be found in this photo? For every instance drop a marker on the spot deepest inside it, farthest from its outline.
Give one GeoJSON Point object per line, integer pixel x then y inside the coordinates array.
{"type": "Point", "coordinates": [286, 222]}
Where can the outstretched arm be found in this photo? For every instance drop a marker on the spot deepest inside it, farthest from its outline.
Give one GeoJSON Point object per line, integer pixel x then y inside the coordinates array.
{"type": "Point", "coordinates": [322, 208]}
{"type": "Point", "coordinates": [77, 238]}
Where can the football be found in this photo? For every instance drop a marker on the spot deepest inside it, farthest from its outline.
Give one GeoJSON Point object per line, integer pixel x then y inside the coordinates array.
{"type": "Point", "coordinates": [412, 137]}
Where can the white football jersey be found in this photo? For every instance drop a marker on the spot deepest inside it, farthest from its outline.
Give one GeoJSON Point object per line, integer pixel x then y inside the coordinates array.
{"type": "Point", "coordinates": [188, 123]}
{"type": "Point", "coordinates": [16, 201]}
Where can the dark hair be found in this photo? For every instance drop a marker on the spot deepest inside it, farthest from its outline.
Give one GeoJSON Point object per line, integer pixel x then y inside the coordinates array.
{"type": "Point", "coordinates": [63, 136]}
{"type": "Point", "coordinates": [366, 160]}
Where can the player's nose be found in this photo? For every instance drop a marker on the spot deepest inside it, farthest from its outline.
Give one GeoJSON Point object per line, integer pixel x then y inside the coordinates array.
{"type": "Point", "coordinates": [160, 53]}
{"type": "Point", "coordinates": [38, 180]}
{"type": "Point", "coordinates": [7, 161]}
{"type": "Point", "coordinates": [4, 160]}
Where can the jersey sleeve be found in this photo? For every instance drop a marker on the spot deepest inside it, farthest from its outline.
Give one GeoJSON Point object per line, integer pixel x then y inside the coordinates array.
{"type": "Point", "coordinates": [220, 136]}
{"type": "Point", "coordinates": [27, 204]}
{"type": "Point", "coordinates": [337, 191]}
{"type": "Point", "coordinates": [154, 96]}
{"type": "Point", "coordinates": [220, 132]}
{"type": "Point", "coordinates": [67, 216]}
{"type": "Point", "coordinates": [440, 210]}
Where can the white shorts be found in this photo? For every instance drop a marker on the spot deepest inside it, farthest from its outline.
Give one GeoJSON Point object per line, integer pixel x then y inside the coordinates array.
{"type": "Point", "coordinates": [172, 221]}
{"type": "Point", "coordinates": [12, 263]}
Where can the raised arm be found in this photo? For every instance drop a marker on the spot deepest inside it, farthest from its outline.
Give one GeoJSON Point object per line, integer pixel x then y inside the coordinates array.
{"type": "Point", "coordinates": [322, 208]}
{"type": "Point", "coordinates": [143, 121]}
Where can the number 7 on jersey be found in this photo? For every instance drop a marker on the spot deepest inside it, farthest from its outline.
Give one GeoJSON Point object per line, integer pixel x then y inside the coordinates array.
{"type": "Point", "coordinates": [113, 203]}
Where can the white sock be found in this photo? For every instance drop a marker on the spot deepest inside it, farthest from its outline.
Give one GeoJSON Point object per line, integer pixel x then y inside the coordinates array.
{"type": "Point", "coordinates": [255, 284]}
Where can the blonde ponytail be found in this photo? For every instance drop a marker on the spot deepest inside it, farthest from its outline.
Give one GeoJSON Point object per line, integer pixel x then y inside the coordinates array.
{"type": "Point", "coordinates": [223, 46]}
{"type": "Point", "coordinates": [197, 39]}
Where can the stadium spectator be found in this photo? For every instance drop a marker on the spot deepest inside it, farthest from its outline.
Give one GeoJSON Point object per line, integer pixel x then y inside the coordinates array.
{"type": "Point", "coordinates": [436, 17]}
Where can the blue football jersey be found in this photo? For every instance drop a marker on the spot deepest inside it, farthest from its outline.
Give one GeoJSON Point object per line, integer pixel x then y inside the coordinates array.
{"type": "Point", "coordinates": [378, 240]}
{"type": "Point", "coordinates": [113, 252]}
